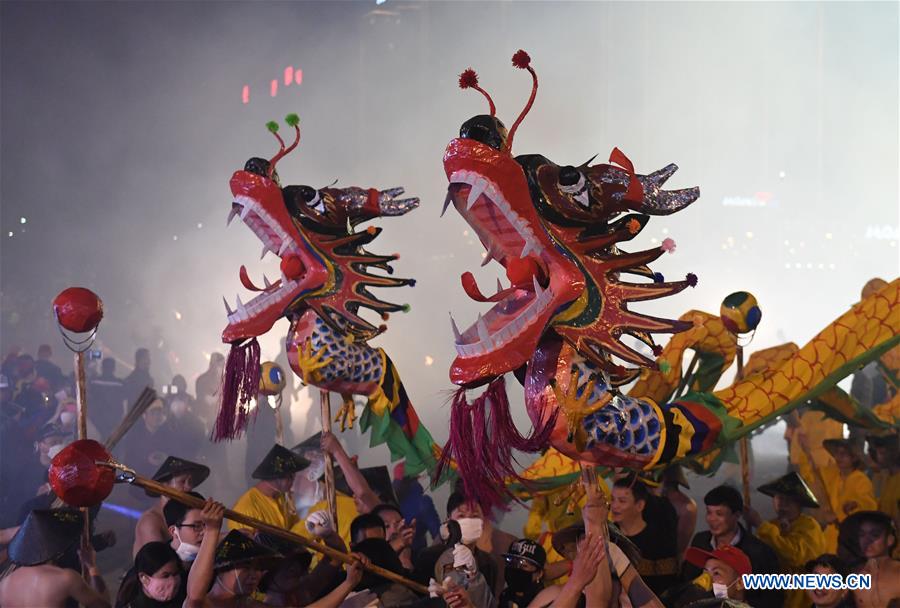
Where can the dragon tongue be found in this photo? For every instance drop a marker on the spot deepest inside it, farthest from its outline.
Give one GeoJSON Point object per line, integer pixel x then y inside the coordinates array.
{"type": "Point", "coordinates": [473, 291]}
{"type": "Point", "coordinates": [246, 282]}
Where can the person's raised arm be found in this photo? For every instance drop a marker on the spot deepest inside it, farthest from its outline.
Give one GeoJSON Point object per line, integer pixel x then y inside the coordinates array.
{"type": "Point", "coordinates": [340, 593]}
{"type": "Point", "coordinates": [640, 595]}
{"type": "Point", "coordinates": [595, 514]}
{"type": "Point", "coordinates": [358, 484]}
{"type": "Point", "coordinates": [591, 555]}
{"type": "Point", "coordinates": [201, 574]}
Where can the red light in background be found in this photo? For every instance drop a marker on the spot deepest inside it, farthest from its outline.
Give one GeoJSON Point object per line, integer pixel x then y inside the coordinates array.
{"type": "Point", "coordinates": [292, 75]}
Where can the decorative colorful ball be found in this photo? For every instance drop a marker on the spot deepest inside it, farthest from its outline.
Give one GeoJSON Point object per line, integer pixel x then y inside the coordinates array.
{"type": "Point", "coordinates": [78, 309]}
{"type": "Point", "coordinates": [76, 477]}
{"type": "Point", "coordinates": [740, 312]}
{"type": "Point", "coordinates": [271, 379]}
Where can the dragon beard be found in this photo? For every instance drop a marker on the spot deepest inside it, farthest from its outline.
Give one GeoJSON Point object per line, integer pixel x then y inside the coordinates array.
{"type": "Point", "coordinates": [482, 439]}
{"type": "Point", "coordinates": [240, 384]}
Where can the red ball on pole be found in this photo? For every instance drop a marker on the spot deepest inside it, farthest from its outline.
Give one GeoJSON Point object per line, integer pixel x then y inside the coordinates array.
{"type": "Point", "coordinates": [76, 477]}
{"type": "Point", "coordinates": [78, 309]}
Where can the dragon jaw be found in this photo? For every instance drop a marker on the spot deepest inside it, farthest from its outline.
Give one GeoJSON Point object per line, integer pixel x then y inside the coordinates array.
{"type": "Point", "coordinates": [488, 188]}
{"type": "Point", "coordinates": [259, 203]}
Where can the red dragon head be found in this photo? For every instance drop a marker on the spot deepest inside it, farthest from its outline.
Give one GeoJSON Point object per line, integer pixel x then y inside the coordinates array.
{"type": "Point", "coordinates": [556, 230]}
{"type": "Point", "coordinates": [323, 264]}
{"type": "Point", "coordinates": [324, 267]}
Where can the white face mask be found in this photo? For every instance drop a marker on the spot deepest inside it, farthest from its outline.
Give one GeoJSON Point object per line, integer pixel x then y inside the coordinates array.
{"type": "Point", "coordinates": [66, 418]}
{"type": "Point", "coordinates": [187, 552]}
{"type": "Point", "coordinates": [720, 590]}
{"type": "Point", "coordinates": [471, 528]}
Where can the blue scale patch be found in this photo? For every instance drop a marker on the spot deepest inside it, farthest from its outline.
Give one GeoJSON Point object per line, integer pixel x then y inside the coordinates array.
{"type": "Point", "coordinates": [354, 362]}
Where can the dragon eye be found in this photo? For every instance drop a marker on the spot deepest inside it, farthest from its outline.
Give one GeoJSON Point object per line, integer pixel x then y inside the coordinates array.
{"type": "Point", "coordinates": [572, 182]}
{"type": "Point", "coordinates": [306, 196]}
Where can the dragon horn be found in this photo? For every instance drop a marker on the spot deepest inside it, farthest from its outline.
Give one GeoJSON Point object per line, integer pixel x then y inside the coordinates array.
{"type": "Point", "coordinates": [294, 121]}
{"type": "Point", "coordinates": [522, 61]}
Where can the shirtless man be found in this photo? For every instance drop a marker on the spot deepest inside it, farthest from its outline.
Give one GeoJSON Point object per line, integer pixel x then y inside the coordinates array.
{"type": "Point", "coordinates": [176, 473]}
{"type": "Point", "coordinates": [875, 539]}
{"type": "Point", "coordinates": [35, 580]}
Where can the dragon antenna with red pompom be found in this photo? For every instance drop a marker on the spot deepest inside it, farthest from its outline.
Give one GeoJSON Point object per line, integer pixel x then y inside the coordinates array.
{"type": "Point", "coordinates": [292, 120]}
{"type": "Point", "coordinates": [522, 61]}
{"type": "Point", "coordinates": [469, 80]}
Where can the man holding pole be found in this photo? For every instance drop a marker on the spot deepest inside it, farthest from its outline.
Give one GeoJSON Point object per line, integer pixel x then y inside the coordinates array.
{"type": "Point", "coordinates": [177, 473]}
{"type": "Point", "coordinates": [796, 537]}
{"type": "Point", "coordinates": [268, 499]}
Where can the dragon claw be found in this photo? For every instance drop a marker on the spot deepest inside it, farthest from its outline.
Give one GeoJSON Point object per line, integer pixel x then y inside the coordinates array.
{"type": "Point", "coordinates": [310, 363]}
{"type": "Point", "coordinates": [347, 414]}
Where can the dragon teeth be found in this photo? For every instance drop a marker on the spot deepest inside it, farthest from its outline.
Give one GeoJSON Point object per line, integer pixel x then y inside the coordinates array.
{"type": "Point", "coordinates": [456, 333]}
{"type": "Point", "coordinates": [231, 215]}
{"type": "Point", "coordinates": [476, 191]}
{"type": "Point", "coordinates": [483, 334]}
{"type": "Point", "coordinates": [528, 248]}
{"type": "Point", "coordinates": [228, 310]}
{"type": "Point", "coordinates": [447, 202]}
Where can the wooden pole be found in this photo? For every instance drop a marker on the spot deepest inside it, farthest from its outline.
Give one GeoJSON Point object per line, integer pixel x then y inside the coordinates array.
{"type": "Point", "coordinates": [688, 377]}
{"type": "Point", "coordinates": [81, 400]}
{"type": "Point", "coordinates": [325, 402]}
{"type": "Point", "coordinates": [279, 422]}
{"type": "Point", "coordinates": [251, 522]}
{"type": "Point", "coordinates": [745, 440]}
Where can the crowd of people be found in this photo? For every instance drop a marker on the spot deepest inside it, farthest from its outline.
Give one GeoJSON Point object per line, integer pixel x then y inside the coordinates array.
{"type": "Point", "coordinates": [631, 541]}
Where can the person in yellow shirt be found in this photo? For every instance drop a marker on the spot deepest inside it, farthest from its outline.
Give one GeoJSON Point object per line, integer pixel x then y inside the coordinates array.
{"type": "Point", "coordinates": [794, 536]}
{"type": "Point", "coordinates": [885, 454]}
{"type": "Point", "coordinates": [268, 500]}
{"type": "Point", "coordinates": [815, 427]}
{"type": "Point", "coordinates": [849, 489]}
{"type": "Point", "coordinates": [363, 498]}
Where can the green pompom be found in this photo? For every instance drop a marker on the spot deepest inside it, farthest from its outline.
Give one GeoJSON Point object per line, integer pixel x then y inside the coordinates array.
{"type": "Point", "coordinates": [292, 120]}
{"type": "Point", "coordinates": [272, 126]}
{"type": "Point", "coordinates": [406, 308]}
{"type": "Point", "coordinates": [664, 367]}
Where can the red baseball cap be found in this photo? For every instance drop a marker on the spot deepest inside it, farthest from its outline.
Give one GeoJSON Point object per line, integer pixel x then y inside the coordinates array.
{"type": "Point", "coordinates": [728, 554]}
